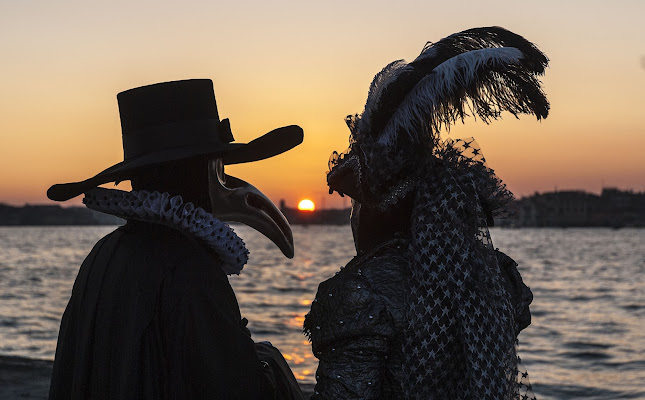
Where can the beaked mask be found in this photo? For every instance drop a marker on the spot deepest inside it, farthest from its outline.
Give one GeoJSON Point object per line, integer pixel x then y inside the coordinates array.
{"type": "Point", "coordinates": [235, 200]}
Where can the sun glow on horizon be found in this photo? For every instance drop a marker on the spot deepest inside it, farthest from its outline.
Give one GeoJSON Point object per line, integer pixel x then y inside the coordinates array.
{"type": "Point", "coordinates": [306, 205]}
{"type": "Point", "coordinates": [68, 129]}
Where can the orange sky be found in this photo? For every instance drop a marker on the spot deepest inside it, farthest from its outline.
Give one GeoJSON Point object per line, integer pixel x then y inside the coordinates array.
{"type": "Point", "coordinates": [278, 63]}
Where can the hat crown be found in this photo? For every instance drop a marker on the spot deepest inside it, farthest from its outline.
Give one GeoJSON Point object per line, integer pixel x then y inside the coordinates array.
{"type": "Point", "coordinates": [171, 115]}
{"type": "Point", "coordinates": [167, 103]}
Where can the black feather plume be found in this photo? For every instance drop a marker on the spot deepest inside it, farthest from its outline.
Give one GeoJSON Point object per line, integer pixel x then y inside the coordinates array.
{"type": "Point", "coordinates": [499, 84]}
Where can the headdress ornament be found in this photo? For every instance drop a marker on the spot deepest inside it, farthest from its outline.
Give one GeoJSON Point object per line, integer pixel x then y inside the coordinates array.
{"type": "Point", "coordinates": [480, 71]}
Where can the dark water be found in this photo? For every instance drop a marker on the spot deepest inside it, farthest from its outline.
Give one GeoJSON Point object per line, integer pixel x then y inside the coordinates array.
{"type": "Point", "coordinates": [587, 339]}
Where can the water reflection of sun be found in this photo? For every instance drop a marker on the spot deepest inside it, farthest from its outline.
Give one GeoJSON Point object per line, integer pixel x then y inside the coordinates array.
{"type": "Point", "coordinates": [296, 357]}
{"type": "Point", "coordinates": [299, 358]}
{"type": "Point", "coordinates": [302, 375]}
{"type": "Point", "coordinates": [306, 205]}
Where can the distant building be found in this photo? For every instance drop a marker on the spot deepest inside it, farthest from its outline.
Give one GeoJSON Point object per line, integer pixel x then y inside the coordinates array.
{"type": "Point", "coordinates": [613, 208]}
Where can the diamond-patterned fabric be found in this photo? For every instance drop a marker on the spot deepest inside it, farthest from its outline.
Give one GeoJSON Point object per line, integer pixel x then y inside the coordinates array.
{"type": "Point", "coordinates": [461, 336]}
{"type": "Point", "coordinates": [466, 301]}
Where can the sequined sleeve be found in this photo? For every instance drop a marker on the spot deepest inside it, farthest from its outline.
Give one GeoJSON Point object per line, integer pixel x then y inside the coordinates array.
{"type": "Point", "coordinates": [354, 327]}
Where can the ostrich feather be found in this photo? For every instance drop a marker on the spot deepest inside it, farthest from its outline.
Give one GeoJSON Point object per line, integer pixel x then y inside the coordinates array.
{"type": "Point", "coordinates": [378, 85]}
{"type": "Point", "coordinates": [392, 85]}
{"type": "Point", "coordinates": [481, 38]}
{"type": "Point", "coordinates": [488, 80]}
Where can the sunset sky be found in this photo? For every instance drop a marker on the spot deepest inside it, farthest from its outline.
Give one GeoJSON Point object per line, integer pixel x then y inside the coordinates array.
{"type": "Point", "coordinates": [278, 63]}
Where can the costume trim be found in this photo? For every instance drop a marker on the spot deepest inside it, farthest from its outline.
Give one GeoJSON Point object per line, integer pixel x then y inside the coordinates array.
{"type": "Point", "coordinates": [161, 208]}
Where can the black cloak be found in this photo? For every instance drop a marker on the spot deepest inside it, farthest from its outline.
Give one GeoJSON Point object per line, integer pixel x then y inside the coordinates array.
{"type": "Point", "coordinates": [153, 316]}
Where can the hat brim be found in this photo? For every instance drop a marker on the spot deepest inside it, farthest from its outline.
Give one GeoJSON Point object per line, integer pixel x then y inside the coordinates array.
{"type": "Point", "coordinates": [268, 145]}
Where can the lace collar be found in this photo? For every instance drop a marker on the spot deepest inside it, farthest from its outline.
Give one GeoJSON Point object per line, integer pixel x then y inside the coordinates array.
{"type": "Point", "coordinates": [163, 209]}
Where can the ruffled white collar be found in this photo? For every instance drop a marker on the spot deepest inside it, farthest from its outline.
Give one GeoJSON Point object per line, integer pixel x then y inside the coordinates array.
{"type": "Point", "coordinates": [162, 209]}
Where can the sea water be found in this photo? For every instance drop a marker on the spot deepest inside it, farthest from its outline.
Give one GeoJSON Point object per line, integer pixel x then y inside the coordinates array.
{"type": "Point", "coordinates": [586, 340]}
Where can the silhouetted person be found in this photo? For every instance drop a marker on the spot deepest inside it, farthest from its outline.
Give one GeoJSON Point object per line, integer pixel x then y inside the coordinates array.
{"type": "Point", "coordinates": [428, 309]}
{"type": "Point", "coordinates": [152, 314]}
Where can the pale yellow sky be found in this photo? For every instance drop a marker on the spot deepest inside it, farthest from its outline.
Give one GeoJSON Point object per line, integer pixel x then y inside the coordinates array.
{"type": "Point", "coordinates": [310, 63]}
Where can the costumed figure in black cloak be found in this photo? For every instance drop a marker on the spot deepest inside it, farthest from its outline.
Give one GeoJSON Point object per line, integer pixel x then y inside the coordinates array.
{"type": "Point", "coordinates": [152, 314]}
{"type": "Point", "coordinates": [428, 309]}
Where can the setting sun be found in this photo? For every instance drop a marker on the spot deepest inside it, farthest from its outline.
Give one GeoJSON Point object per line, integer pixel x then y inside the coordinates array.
{"type": "Point", "coordinates": [306, 205]}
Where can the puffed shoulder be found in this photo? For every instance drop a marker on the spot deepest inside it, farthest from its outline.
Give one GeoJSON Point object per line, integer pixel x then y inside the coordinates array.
{"type": "Point", "coordinates": [364, 298]}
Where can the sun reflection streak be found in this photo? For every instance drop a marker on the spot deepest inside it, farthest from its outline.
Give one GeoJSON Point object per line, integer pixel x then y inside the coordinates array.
{"type": "Point", "coordinates": [296, 321]}
{"type": "Point", "coordinates": [297, 357]}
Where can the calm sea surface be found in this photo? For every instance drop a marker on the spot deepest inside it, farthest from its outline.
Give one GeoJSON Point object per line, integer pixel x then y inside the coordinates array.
{"type": "Point", "coordinates": [587, 339]}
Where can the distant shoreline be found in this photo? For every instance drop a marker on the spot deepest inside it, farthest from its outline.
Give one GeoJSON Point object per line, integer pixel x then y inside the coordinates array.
{"type": "Point", "coordinates": [613, 208]}
{"type": "Point", "coordinates": [54, 215]}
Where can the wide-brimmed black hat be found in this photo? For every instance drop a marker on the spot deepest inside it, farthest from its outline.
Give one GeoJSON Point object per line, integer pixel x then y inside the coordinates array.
{"type": "Point", "coordinates": [172, 121]}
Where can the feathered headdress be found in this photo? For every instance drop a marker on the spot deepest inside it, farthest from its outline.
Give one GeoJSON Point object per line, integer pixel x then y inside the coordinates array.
{"type": "Point", "coordinates": [480, 72]}
{"type": "Point", "coordinates": [462, 312]}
